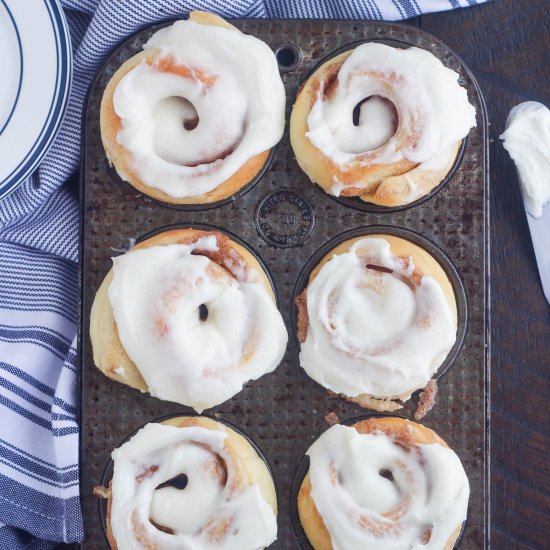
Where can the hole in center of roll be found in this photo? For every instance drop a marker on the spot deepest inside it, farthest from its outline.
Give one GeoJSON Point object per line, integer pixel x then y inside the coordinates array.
{"type": "Point", "coordinates": [378, 118]}
{"type": "Point", "coordinates": [179, 482]}
{"type": "Point", "coordinates": [191, 124]}
{"type": "Point", "coordinates": [176, 108]}
{"type": "Point", "coordinates": [387, 474]}
{"type": "Point", "coordinates": [187, 112]}
{"type": "Point", "coordinates": [174, 118]}
{"type": "Point", "coordinates": [203, 312]}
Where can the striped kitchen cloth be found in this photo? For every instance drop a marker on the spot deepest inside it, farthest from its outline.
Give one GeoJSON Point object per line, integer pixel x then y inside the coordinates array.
{"type": "Point", "coordinates": [39, 492]}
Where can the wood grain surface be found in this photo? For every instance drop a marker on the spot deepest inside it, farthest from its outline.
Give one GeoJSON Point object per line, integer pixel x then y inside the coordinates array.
{"type": "Point", "coordinates": [506, 44]}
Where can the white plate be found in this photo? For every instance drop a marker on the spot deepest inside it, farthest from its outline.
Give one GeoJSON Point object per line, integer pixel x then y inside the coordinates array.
{"type": "Point", "coordinates": [35, 84]}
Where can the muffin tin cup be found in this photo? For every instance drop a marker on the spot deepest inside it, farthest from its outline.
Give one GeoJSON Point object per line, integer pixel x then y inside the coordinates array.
{"type": "Point", "coordinates": [284, 219]}
{"type": "Point", "coordinates": [107, 474]}
{"type": "Point", "coordinates": [303, 468]}
{"type": "Point", "coordinates": [442, 259]}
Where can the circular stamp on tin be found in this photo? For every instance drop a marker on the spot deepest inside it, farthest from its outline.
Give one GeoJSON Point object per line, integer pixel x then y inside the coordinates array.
{"type": "Point", "coordinates": [284, 218]}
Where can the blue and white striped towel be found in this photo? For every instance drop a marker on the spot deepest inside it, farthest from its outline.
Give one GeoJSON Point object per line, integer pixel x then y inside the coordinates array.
{"type": "Point", "coordinates": [39, 498]}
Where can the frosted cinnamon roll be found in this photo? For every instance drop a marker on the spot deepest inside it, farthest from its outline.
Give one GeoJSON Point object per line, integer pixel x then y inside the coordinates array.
{"type": "Point", "coordinates": [189, 316]}
{"type": "Point", "coordinates": [190, 483]}
{"type": "Point", "coordinates": [192, 118]}
{"type": "Point", "coordinates": [384, 483]}
{"type": "Point", "coordinates": [376, 321]}
{"type": "Point", "coordinates": [380, 123]}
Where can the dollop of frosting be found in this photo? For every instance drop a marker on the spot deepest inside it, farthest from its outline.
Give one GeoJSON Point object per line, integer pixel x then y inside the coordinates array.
{"type": "Point", "coordinates": [210, 100]}
{"type": "Point", "coordinates": [211, 509]}
{"type": "Point", "coordinates": [527, 140]}
{"type": "Point", "coordinates": [375, 326]}
{"type": "Point", "coordinates": [433, 109]}
{"type": "Point", "coordinates": [373, 492]}
{"type": "Point", "coordinates": [195, 331]}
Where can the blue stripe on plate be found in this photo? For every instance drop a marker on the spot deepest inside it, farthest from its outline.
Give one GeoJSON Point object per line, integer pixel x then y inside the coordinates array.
{"type": "Point", "coordinates": [20, 65]}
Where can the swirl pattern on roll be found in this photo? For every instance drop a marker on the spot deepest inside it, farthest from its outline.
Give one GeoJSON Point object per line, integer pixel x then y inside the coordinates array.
{"type": "Point", "coordinates": [195, 314]}
{"type": "Point", "coordinates": [384, 483]}
{"type": "Point", "coordinates": [190, 111]}
{"type": "Point", "coordinates": [187, 487]}
{"type": "Point", "coordinates": [375, 323]}
{"type": "Point", "coordinates": [381, 123]}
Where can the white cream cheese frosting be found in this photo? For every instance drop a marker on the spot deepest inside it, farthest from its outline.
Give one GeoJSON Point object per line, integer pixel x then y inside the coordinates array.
{"type": "Point", "coordinates": [425, 491]}
{"type": "Point", "coordinates": [527, 140]}
{"type": "Point", "coordinates": [195, 332]}
{"type": "Point", "coordinates": [211, 511]}
{"type": "Point", "coordinates": [371, 331]}
{"type": "Point", "coordinates": [433, 109]}
{"type": "Point", "coordinates": [230, 85]}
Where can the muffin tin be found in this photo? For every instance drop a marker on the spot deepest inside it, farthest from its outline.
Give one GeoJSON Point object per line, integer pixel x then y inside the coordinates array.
{"type": "Point", "coordinates": [286, 220]}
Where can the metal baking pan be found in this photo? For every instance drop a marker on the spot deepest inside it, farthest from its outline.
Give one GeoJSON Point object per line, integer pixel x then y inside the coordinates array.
{"type": "Point", "coordinates": [286, 219]}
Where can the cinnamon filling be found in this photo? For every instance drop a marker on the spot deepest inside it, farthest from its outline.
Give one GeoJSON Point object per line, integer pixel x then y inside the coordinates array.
{"type": "Point", "coordinates": [412, 282]}
{"type": "Point", "coordinates": [329, 84]}
{"type": "Point", "coordinates": [169, 65]}
{"type": "Point", "coordinates": [218, 529]}
{"type": "Point", "coordinates": [426, 535]}
{"type": "Point", "coordinates": [162, 527]}
{"type": "Point", "coordinates": [302, 318]}
{"type": "Point", "coordinates": [379, 268]}
{"type": "Point", "coordinates": [216, 467]}
{"type": "Point", "coordinates": [225, 255]}
{"type": "Point", "coordinates": [426, 401]}
{"type": "Point", "coordinates": [146, 473]}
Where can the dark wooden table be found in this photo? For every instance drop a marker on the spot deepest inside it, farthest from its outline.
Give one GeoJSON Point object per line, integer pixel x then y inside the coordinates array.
{"type": "Point", "coordinates": [506, 44]}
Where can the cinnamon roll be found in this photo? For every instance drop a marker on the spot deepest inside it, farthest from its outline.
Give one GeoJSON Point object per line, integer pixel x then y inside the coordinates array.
{"type": "Point", "coordinates": [384, 483]}
{"type": "Point", "coordinates": [190, 483]}
{"type": "Point", "coordinates": [380, 123]}
{"type": "Point", "coordinates": [376, 321]}
{"type": "Point", "coordinates": [193, 117]}
{"type": "Point", "coordinates": [189, 316]}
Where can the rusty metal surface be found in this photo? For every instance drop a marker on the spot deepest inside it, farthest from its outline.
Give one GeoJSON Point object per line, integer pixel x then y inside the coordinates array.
{"type": "Point", "coordinates": [286, 219]}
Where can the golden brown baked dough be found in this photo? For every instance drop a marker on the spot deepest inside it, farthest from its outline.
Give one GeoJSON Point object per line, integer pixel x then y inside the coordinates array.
{"type": "Point", "coordinates": [405, 432]}
{"type": "Point", "coordinates": [383, 184]}
{"type": "Point", "coordinates": [111, 124]}
{"type": "Point", "coordinates": [249, 467]}
{"type": "Point", "coordinates": [108, 352]}
{"type": "Point", "coordinates": [425, 264]}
